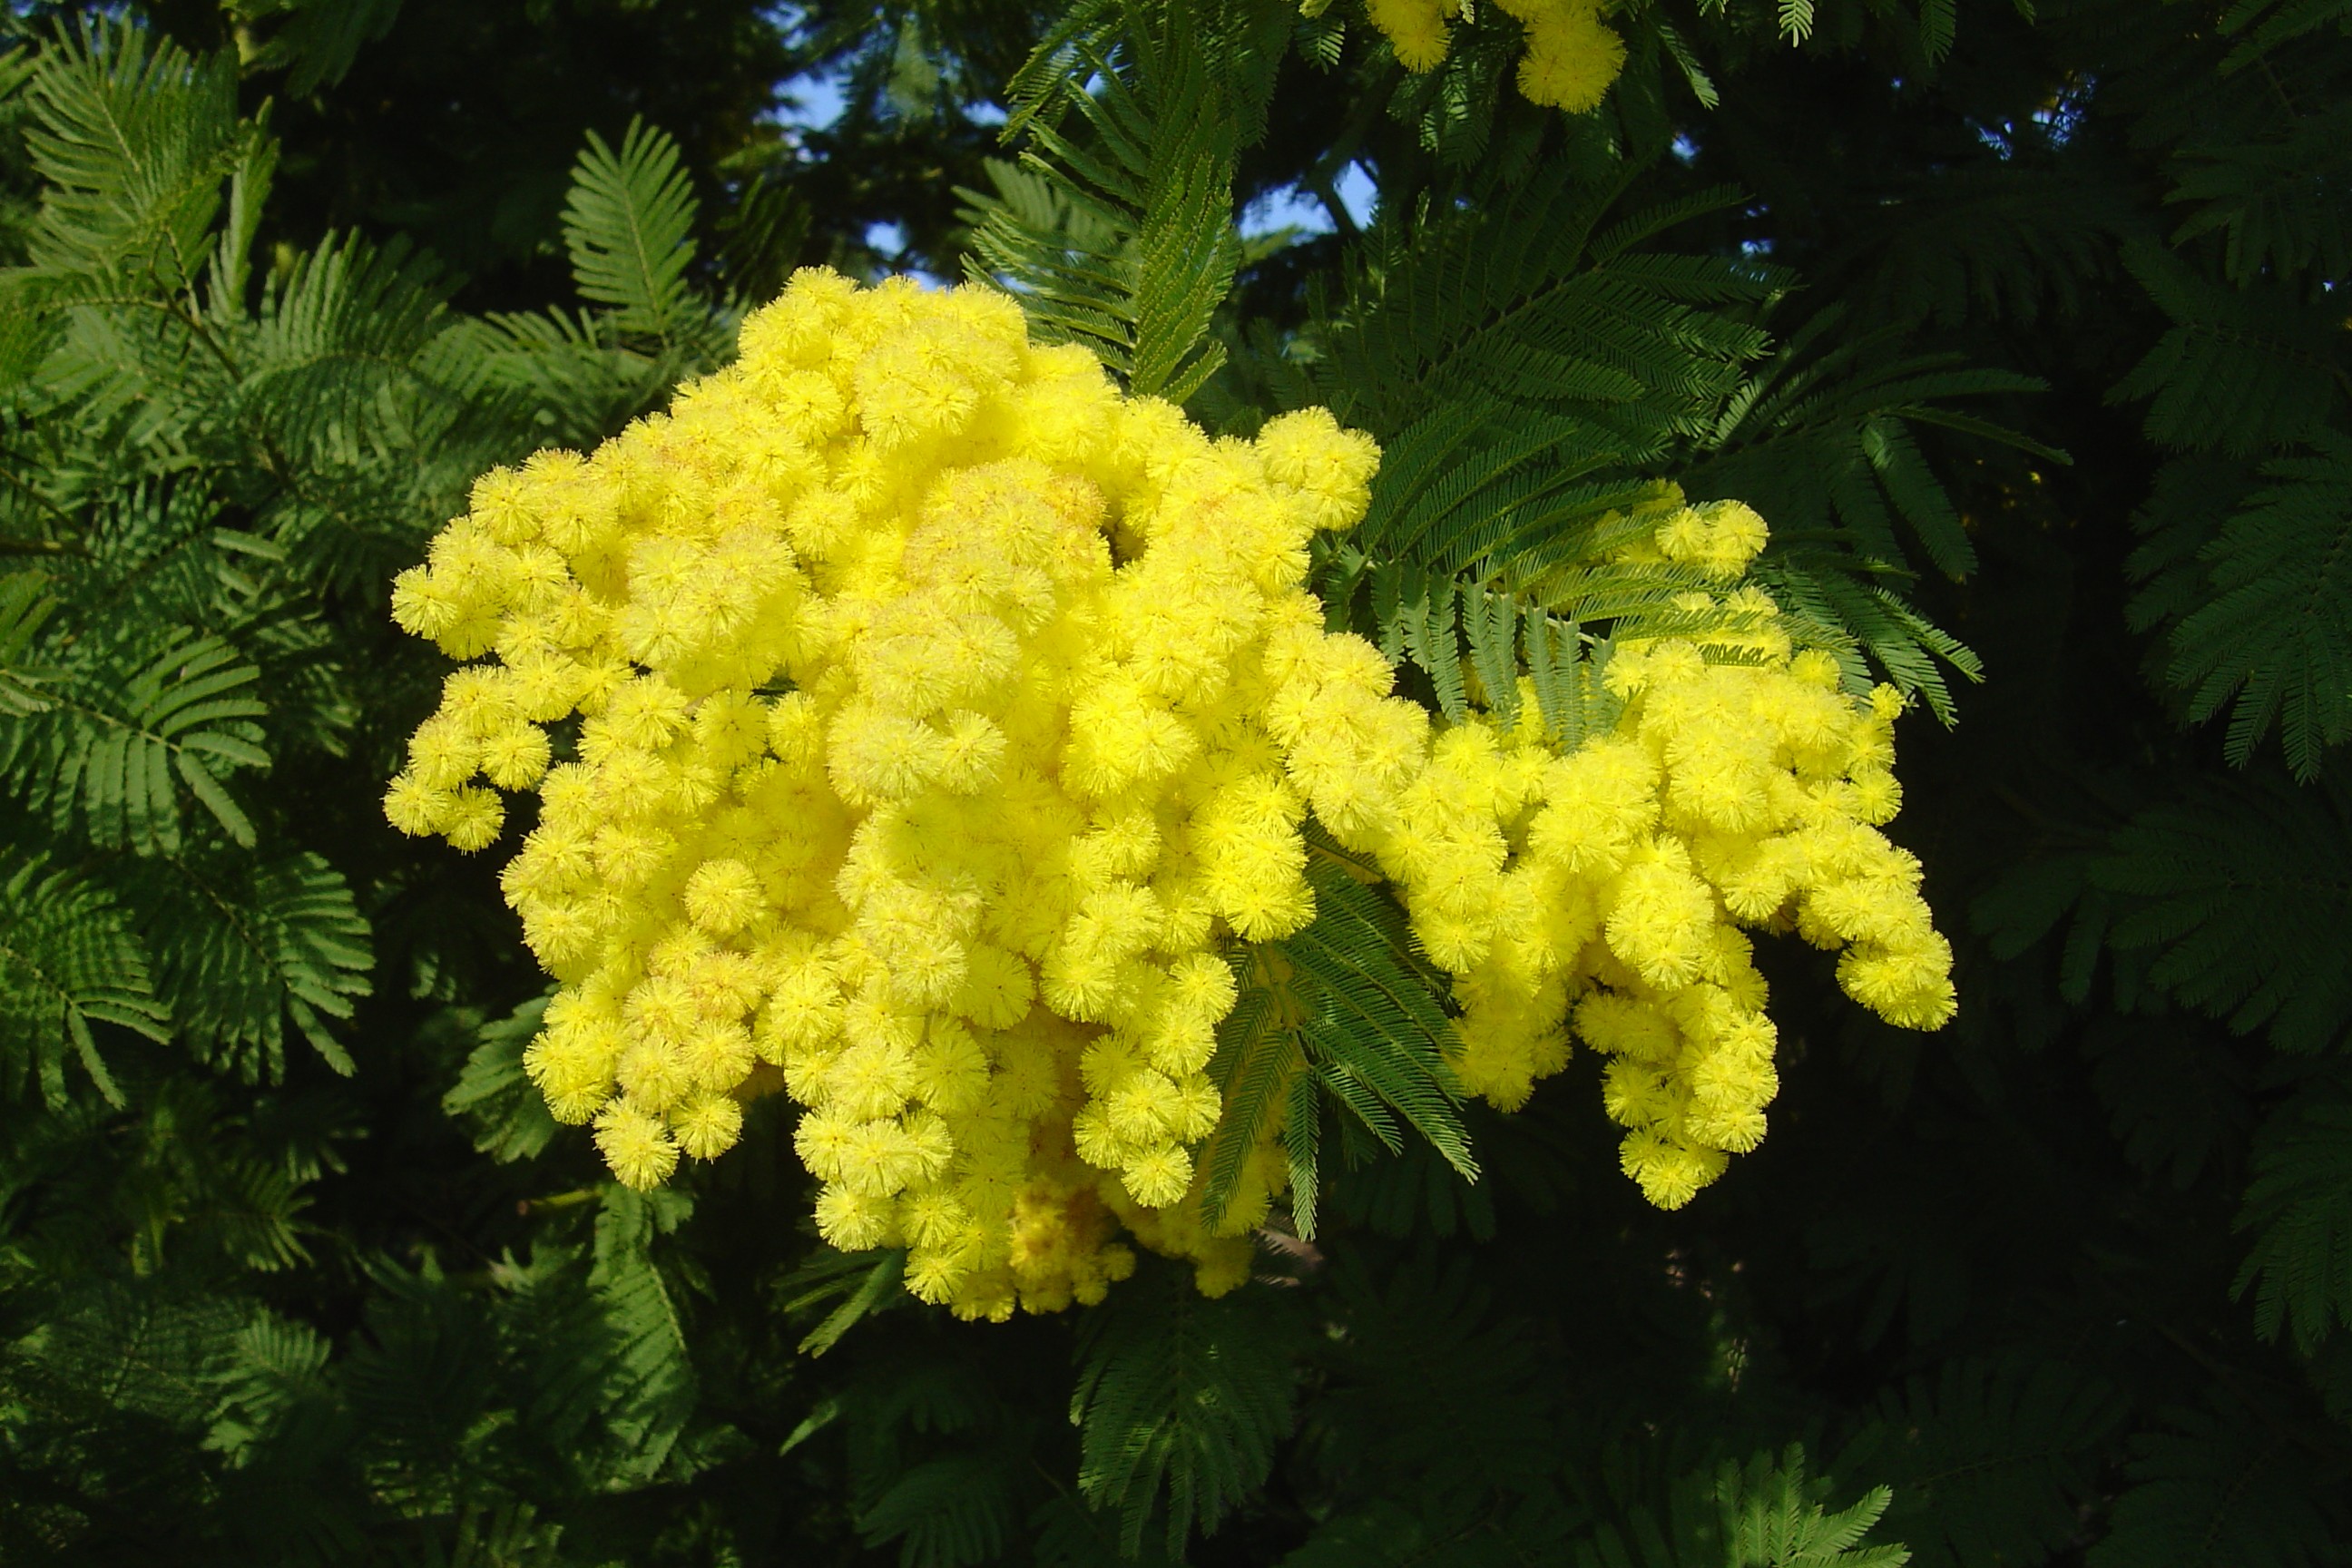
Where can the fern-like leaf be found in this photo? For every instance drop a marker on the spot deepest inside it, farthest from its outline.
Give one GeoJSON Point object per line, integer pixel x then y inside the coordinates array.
{"type": "Point", "coordinates": [337, 337]}
{"type": "Point", "coordinates": [946, 1513]}
{"type": "Point", "coordinates": [2244, 370]}
{"type": "Point", "coordinates": [1117, 229]}
{"type": "Point", "coordinates": [2244, 892]}
{"type": "Point", "coordinates": [1992, 1460]}
{"type": "Point", "coordinates": [2299, 1208]}
{"type": "Point", "coordinates": [1772, 1518]}
{"type": "Point", "coordinates": [132, 138]}
{"type": "Point", "coordinates": [509, 1113]}
{"type": "Point", "coordinates": [1377, 1029]}
{"type": "Point", "coordinates": [318, 40]}
{"type": "Point", "coordinates": [646, 1377]}
{"type": "Point", "coordinates": [1179, 1395]}
{"type": "Point", "coordinates": [628, 226]}
{"type": "Point", "coordinates": [1342, 1015]}
{"type": "Point", "coordinates": [851, 1286]}
{"type": "Point", "coordinates": [245, 945]}
{"type": "Point", "coordinates": [119, 739]}
{"type": "Point", "coordinates": [69, 960]}
{"type": "Point", "coordinates": [2282, 204]}
{"type": "Point", "coordinates": [25, 605]}
{"type": "Point", "coordinates": [2272, 642]}
{"type": "Point", "coordinates": [2218, 1491]}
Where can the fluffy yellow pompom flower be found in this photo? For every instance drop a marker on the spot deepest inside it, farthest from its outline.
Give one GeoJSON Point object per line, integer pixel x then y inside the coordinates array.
{"type": "Point", "coordinates": [921, 766]}
{"type": "Point", "coordinates": [1571, 59]}
{"type": "Point", "coordinates": [1602, 892]}
{"type": "Point", "coordinates": [939, 722]}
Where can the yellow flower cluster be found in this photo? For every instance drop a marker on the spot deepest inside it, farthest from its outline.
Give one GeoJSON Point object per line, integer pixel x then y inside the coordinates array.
{"type": "Point", "coordinates": [922, 768]}
{"type": "Point", "coordinates": [934, 722]}
{"type": "Point", "coordinates": [1571, 57]}
{"type": "Point", "coordinates": [1741, 785]}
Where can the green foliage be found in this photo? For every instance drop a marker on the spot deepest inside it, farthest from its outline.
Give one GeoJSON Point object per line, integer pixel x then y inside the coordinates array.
{"type": "Point", "coordinates": [1534, 375]}
{"type": "Point", "coordinates": [510, 1119]}
{"type": "Point", "coordinates": [1116, 229]}
{"type": "Point", "coordinates": [243, 945]}
{"type": "Point", "coordinates": [318, 41]}
{"type": "Point", "coordinates": [2239, 890]}
{"type": "Point", "coordinates": [1765, 1513]}
{"type": "Point", "coordinates": [2219, 1489]}
{"type": "Point", "coordinates": [1993, 1460]}
{"type": "Point", "coordinates": [215, 461]}
{"type": "Point", "coordinates": [68, 960]}
{"type": "Point", "coordinates": [1180, 1395]}
{"type": "Point", "coordinates": [2299, 1204]}
{"type": "Point", "coordinates": [2243, 369]}
{"type": "Point", "coordinates": [2274, 643]}
{"type": "Point", "coordinates": [109, 748]}
{"type": "Point", "coordinates": [629, 229]}
{"type": "Point", "coordinates": [1340, 1015]}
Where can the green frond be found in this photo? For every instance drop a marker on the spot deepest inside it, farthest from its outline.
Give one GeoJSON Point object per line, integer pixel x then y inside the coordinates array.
{"type": "Point", "coordinates": [2242, 891]}
{"type": "Point", "coordinates": [1834, 607]}
{"type": "Point", "coordinates": [252, 1212]}
{"type": "Point", "coordinates": [2271, 640]}
{"type": "Point", "coordinates": [628, 226]}
{"type": "Point", "coordinates": [645, 1376]}
{"type": "Point", "coordinates": [1818, 440]}
{"type": "Point", "coordinates": [946, 1513]}
{"type": "Point", "coordinates": [1379, 1024]}
{"type": "Point", "coordinates": [1344, 1014]}
{"type": "Point", "coordinates": [139, 1349]}
{"type": "Point", "coordinates": [510, 1535]}
{"type": "Point", "coordinates": [2259, 195]}
{"type": "Point", "coordinates": [1527, 373]}
{"type": "Point", "coordinates": [318, 40]}
{"type": "Point", "coordinates": [2244, 370]}
{"type": "Point", "coordinates": [25, 605]}
{"type": "Point", "coordinates": [243, 945]}
{"type": "Point", "coordinates": [125, 730]}
{"type": "Point", "coordinates": [155, 553]}
{"type": "Point", "coordinates": [849, 1284]}
{"type": "Point", "coordinates": [2011, 243]}
{"type": "Point", "coordinates": [1992, 1460]}
{"type": "Point", "coordinates": [1180, 1402]}
{"type": "Point", "coordinates": [132, 138]}
{"type": "Point", "coordinates": [2263, 25]}
{"type": "Point", "coordinates": [1772, 1518]}
{"type": "Point", "coordinates": [551, 371]}
{"type": "Point", "coordinates": [336, 341]}
{"type": "Point", "coordinates": [2192, 498]}
{"type": "Point", "coordinates": [1514, 302]}
{"type": "Point", "coordinates": [2217, 1491]}
{"type": "Point", "coordinates": [1116, 230]}
{"type": "Point", "coordinates": [69, 960]}
{"type": "Point", "coordinates": [1258, 1056]}
{"type": "Point", "coordinates": [2030, 901]}
{"type": "Point", "coordinates": [273, 1389]}
{"type": "Point", "coordinates": [509, 1113]}
{"type": "Point", "coordinates": [1765, 1511]}
{"type": "Point", "coordinates": [422, 1387]}
{"type": "Point", "coordinates": [2299, 1207]}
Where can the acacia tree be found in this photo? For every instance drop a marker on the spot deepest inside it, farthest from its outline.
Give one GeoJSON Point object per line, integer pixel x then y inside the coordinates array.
{"type": "Point", "coordinates": [2024, 335]}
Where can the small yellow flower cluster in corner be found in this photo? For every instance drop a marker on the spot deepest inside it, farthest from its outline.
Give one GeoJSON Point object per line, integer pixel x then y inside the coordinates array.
{"type": "Point", "coordinates": [919, 725]}
{"type": "Point", "coordinates": [1739, 785]}
{"type": "Point", "coordinates": [1571, 57]}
